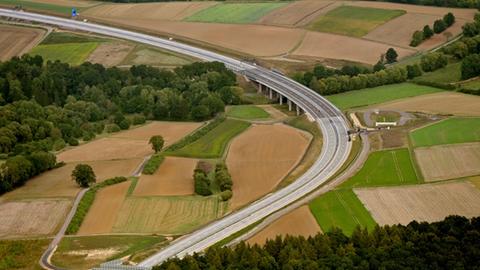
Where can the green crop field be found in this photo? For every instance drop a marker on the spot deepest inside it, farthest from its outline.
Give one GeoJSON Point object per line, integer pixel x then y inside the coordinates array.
{"type": "Point", "coordinates": [247, 112]}
{"type": "Point", "coordinates": [449, 74]}
{"type": "Point", "coordinates": [341, 209]}
{"type": "Point", "coordinates": [384, 168]}
{"type": "Point", "coordinates": [72, 53]}
{"type": "Point", "coordinates": [234, 12]}
{"type": "Point", "coordinates": [353, 21]}
{"type": "Point", "coordinates": [369, 96]}
{"type": "Point", "coordinates": [452, 130]}
{"type": "Point", "coordinates": [71, 251]}
{"type": "Point", "coordinates": [213, 144]}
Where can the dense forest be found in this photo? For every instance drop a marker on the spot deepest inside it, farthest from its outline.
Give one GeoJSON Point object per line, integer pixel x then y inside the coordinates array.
{"type": "Point", "coordinates": [453, 243]}
{"type": "Point", "coordinates": [44, 106]}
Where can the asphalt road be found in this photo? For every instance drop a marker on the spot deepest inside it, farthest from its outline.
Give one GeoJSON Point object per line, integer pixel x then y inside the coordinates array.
{"type": "Point", "coordinates": [332, 123]}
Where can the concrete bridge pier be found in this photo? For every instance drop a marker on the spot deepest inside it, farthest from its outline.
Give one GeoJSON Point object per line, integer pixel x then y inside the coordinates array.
{"type": "Point", "coordinates": [280, 98]}
{"type": "Point", "coordinates": [289, 102]}
{"type": "Point", "coordinates": [298, 110]}
{"type": "Point", "coordinates": [260, 88]}
{"type": "Point", "coordinates": [270, 93]}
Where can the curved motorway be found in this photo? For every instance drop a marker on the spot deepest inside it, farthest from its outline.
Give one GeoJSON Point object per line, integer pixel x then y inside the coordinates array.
{"type": "Point", "coordinates": [336, 146]}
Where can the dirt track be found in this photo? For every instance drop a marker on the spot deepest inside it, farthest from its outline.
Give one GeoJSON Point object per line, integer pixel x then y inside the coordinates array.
{"type": "Point", "coordinates": [449, 161]}
{"type": "Point", "coordinates": [428, 202]}
{"type": "Point", "coordinates": [15, 41]}
{"type": "Point", "coordinates": [296, 223]}
{"type": "Point", "coordinates": [260, 157]}
{"type": "Point", "coordinates": [173, 177]}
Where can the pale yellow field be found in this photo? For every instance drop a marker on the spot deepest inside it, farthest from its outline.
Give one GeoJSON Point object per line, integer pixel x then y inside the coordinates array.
{"type": "Point", "coordinates": [428, 202]}
{"type": "Point", "coordinates": [444, 162]}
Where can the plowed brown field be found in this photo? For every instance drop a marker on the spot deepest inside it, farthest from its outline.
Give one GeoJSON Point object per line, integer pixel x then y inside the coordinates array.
{"type": "Point", "coordinates": [330, 46]}
{"type": "Point", "coordinates": [152, 11]}
{"type": "Point", "coordinates": [15, 41]}
{"type": "Point", "coordinates": [171, 132]}
{"type": "Point", "coordinates": [104, 210]}
{"type": "Point", "coordinates": [296, 13]}
{"type": "Point", "coordinates": [260, 157]}
{"type": "Point", "coordinates": [429, 202]}
{"type": "Point", "coordinates": [107, 149]}
{"type": "Point", "coordinates": [59, 183]}
{"type": "Point", "coordinates": [437, 103]}
{"type": "Point", "coordinates": [174, 177]}
{"type": "Point", "coordinates": [449, 161]}
{"type": "Point", "coordinates": [31, 218]}
{"type": "Point", "coordinates": [296, 223]}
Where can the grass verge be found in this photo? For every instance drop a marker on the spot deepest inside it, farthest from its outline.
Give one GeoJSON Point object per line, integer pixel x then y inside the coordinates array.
{"type": "Point", "coordinates": [449, 131]}
{"type": "Point", "coordinates": [247, 112]}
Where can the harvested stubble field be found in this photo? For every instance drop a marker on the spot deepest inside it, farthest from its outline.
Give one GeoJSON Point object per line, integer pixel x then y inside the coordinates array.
{"type": "Point", "coordinates": [167, 215]}
{"type": "Point", "coordinates": [297, 13]}
{"type": "Point", "coordinates": [102, 214]}
{"type": "Point", "coordinates": [437, 103]}
{"type": "Point", "coordinates": [31, 218]}
{"type": "Point", "coordinates": [353, 21]}
{"type": "Point", "coordinates": [449, 131]}
{"type": "Point", "coordinates": [332, 46]}
{"type": "Point", "coordinates": [170, 131]}
{"type": "Point", "coordinates": [15, 40]}
{"type": "Point", "coordinates": [298, 222]}
{"type": "Point", "coordinates": [107, 149]}
{"type": "Point", "coordinates": [59, 183]}
{"type": "Point", "coordinates": [429, 202]}
{"type": "Point", "coordinates": [449, 161]}
{"type": "Point", "coordinates": [154, 11]}
{"type": "Point", "coordinates": [143, 55]}
{"type": "Point", "coordinates": [261, 157]}
{"type": "Point", "coordinates": [173, 177]}
{"type": "Point", "coordinates": [110, 54]}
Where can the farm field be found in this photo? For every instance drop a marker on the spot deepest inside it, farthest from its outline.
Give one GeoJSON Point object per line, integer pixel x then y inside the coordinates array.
{"type": "Point", "coordinates": [234, 12]}
{"type": "Point", "coordinates": [32, 218]}
{"type": "Point", "coordinates": [273, 112]}
{"type": "Point", "coordinates": [428, 202]}
{"type": "Point", "coordinates": [112, 148]}
{"type": "Point", "coordinates": [59, 7]}
{"type": "Point", "coordinates": [449, 161]}
{"type": "Point", "coordinates": [449, 131]}
{"type": "Point", "coordinates": [110, 54]}
{"type": "Point", "coordinates": [72, 53]}
{"type": "Point", "coordinates": [437, 103]}
{"type": "Point", "coordinates": [15, 40]}
{"type": "Point", "coordinates": [261, 157]}
{"type": "Point", "coordinates": [173, 177]}
{"type": "Point", "coordinates": [213, 144]}
{"type": "Point", "coordinates": [369, 96]}
{"type": "Point", "coordinates": [340, 209]}
{"type": "Point", "coordinates": [155, 57]}
{"type": "Point", "coordinates": [102, 214]}
{"type": "Point", "coordinates": [247, 112]}
{"type": "Point", "coordinates": [170, 131]}
{"type": "Point", "coordinates": [384, 168]}
{"type": "Point", "coordinates": [296, 13]}
{"type": "Point", "coordinates": [298, 222]}
{"type": "Point", "coordinates": [58, 183]}
{"type": "Point", "coordinates": [167, 215]}
{"type": "Point", "coordinates": [449, 74]}
{"type": "Point", "coordinates": [353, 21]}
{"type": "Point", "coordinates": [85, 252]}
{"type": "Point", "coordinates": [22, 254]}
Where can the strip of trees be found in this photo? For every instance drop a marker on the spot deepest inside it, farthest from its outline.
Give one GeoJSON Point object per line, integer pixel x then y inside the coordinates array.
{"type": "Point", "coordinates": [207, 184]}
{"type": "Point", "coordinates": [438, 27]}
{"type": "Point", "coordinates": [453, 243]}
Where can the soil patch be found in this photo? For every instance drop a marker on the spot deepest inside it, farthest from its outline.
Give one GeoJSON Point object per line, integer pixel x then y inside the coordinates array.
{"type": "Point", "coordinates": [260, 157]}
{"type": "Point", "coordinates": [174, 177]}
{"type": "Point", "coordinates": [110, 54]}
{"type": "Point", "coordinates": [15, 41]}
{"type": "Point", "coordinates": [298, 222]}
{"type": "Point", "coordinates": [429, 202]}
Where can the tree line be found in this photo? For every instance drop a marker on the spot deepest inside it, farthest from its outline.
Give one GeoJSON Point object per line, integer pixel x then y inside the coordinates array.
{"type": "Point", "coordinates": [453, 243]}
{"type": "Point", "coordinates": [439, 26]}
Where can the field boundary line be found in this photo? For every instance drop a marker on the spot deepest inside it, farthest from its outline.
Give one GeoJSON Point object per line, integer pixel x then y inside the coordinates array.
{"type": "Point", "coordinates": [345, 205]}
{"type": "Point", "coordinates": [397, 167]}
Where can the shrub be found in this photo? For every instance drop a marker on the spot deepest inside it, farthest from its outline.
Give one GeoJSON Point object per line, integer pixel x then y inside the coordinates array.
{"type": "Point", "coordinates": [202, 183]}
{"type": "Point", "coordinates": [433, 61]}
{"type": "Point", "coordinates": [439, 26]}
{"type": "Point", "coordinates": [417, 38]}
{"type": "Point", "coordinates": [222, 177]}
{"type": "Point", "coordinates": [427, 32]}
{"type": "Point", "coordinates": [138, 119]}
{"type": "Point", "coordinates": [73, 142]}
{"type": "Point", "coordinates": [152, 164]}
{"type": "Point", "coordinates": [471, 66]}
{"type": "Point", "coordinates": [59, 145]}
{"type": "Point", "coordinates": [449, 19]}
{"type": "Point", "coordinates": [226, 195]}
{"type": "Point", "coordinates": [112, 128]}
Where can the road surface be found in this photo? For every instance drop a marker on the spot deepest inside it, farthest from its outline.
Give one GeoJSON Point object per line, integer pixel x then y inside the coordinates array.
{"type": "Point", "coordinates": [336, 146]}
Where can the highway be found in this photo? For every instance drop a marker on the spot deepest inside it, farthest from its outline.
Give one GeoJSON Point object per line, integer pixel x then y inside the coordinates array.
{"type": "Point", "coordinates": [336, 146]}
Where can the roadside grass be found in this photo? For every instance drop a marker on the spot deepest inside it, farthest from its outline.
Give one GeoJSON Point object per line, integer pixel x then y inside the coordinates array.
{"type": "Point", "coordinates": [234, 12]}
{"type": "Point", "coordinates": [213, 143]}
{"type": "Point", "coordinates": [66, 37]}
{"type": "Point", "coordinates": [72, 251]}
{"type": "Point", "coordinates": [449, 131]}
{"type": "Point", "coordinates": [474, 84]}
{"type": "Point", "coordinates": [145, 55]}
{"type": "Point", "coordinates": [167, 214]}
{"type": "Point", "coordinates": [247, 112]}
{"type": "Point", "coordinates": [64, 10]}
{"type": "Point", "coordinates": [384, 168]}
{"type": "Point", "coordinates": [72, 53]}
{"type": "Point", "coordinates": [449, 74]}
{"type": "Point", "coordinates": [153, 163]}
{"type": "Point", "coordinates": [353, 21]}
{"type": "Point", "coordinates": [369, 96]}
{"type": "Point", "coordinates": [21, 254]}
{"type": "Point", "coordinates": [341, 209]}
{"type": "Point", "coordinates": [254, 98]}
